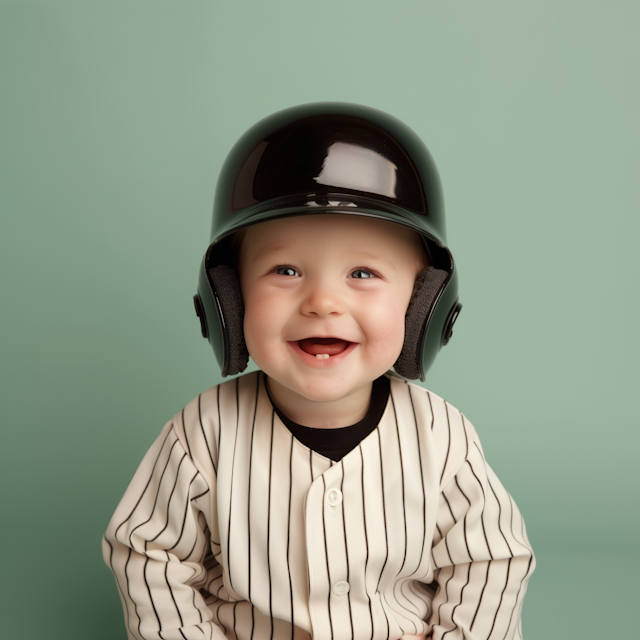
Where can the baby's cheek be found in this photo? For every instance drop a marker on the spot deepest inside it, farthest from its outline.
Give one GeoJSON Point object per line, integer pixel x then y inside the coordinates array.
{"type": "Point", "coordinates": [256, 336]}
{"type": "Point", "coordinates": [387, 335]}
{"type": "Point", "coordinates": [388, 320]}
{"type": "Point", "coordinates": [258, 318]}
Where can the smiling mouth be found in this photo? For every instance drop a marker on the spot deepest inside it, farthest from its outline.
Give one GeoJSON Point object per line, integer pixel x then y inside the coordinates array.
{"type": "Point", "coordinates": [323, 348]}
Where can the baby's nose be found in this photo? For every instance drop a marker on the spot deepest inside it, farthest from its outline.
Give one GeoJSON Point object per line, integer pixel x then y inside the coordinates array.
{"type": "Point", "coordinates": [322, 300]}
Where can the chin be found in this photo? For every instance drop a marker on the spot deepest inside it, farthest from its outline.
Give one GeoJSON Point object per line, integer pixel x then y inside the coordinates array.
{"type": "Point", "coordinates": [322, 384]}
{"type": "Point", "coordinates": [322, 393]}
{"type": "Point", "coordinates": [326, 387]}
{"type": "Point", "coordinates": [317, 390]}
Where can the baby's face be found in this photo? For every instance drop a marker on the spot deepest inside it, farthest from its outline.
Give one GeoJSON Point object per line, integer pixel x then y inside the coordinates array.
{"type": "Point", "coordinates": [325, 299]}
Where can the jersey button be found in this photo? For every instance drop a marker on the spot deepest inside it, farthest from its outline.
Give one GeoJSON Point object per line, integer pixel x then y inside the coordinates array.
{"type": "Point", "coordinates": [341, 588]}
{"type": "Point", "coordinates": [334, 497]}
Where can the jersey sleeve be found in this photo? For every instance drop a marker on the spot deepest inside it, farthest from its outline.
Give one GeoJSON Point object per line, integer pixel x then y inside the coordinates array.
{"type": "Point", "coordinates": [160, 547]}
{"type": "Point", "coordinates": [481, 555]}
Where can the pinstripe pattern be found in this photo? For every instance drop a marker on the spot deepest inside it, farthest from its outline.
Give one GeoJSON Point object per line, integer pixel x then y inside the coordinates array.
{"type": "Point", "coordinates": [227, 529]}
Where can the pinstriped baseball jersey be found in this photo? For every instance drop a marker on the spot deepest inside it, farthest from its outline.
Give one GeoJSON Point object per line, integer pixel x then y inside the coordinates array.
{"type": "Point", "coordinates": [233, 528]}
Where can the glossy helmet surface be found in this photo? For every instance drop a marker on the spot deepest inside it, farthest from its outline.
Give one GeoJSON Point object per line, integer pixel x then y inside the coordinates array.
{"type": "Point", "coordinates": [335, 158]}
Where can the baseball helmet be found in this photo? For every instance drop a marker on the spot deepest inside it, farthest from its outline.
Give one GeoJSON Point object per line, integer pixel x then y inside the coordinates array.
{"type": "Point", "coordinates": [329, 158]}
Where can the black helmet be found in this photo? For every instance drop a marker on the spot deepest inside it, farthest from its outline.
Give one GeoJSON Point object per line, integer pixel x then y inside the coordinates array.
{"type": "Point", "coordinates": [337, 158]}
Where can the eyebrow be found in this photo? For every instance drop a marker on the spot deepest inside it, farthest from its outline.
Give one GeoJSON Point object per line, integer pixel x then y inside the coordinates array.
{"type": "Point", "coordinates": [357, 255]}
{"type": "Point", "coordinates": [375, 256]}
{"type": "Point", "coordinates": [270, 248]}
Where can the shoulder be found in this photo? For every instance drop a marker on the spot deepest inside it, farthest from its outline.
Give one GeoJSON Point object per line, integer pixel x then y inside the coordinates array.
{"type": "Point", "coordinates": [445, 429]}
{"type": "Point", "coordinates": [220, 402]}
{"type": "Point", "coordinates": [199, 425]}
{"type": "Point", "coordinates": [427, 402]}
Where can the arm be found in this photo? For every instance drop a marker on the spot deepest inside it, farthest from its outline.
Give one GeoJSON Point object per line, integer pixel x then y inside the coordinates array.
{"type": "Point", "coordinates": [481, 555]}
{"type": "Point", "coordinates": [156, 545]}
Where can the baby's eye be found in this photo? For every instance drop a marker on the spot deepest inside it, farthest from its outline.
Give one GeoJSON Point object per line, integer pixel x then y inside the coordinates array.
{"type": "Point", "coordinates": [286, 271]}
{"type": "Point", "coordinates": [362, 274]}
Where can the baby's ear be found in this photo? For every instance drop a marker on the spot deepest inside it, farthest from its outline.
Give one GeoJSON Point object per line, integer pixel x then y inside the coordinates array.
{"type": "Point", "coordinates": [425, 293]}
{"type": "Point", "coordinates": [226, 287]}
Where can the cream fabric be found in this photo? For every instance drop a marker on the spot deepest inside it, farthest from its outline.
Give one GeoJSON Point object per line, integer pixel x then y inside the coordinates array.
{"type": "Point", "coordinates": [232, 528]}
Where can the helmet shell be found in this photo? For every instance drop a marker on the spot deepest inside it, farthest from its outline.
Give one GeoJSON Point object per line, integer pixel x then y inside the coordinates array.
{"type": "Point", "coordinates": [330, 158]}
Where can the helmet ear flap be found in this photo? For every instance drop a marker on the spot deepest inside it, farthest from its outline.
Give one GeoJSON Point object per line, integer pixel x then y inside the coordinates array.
{"type": "Point", "coordinates": [226, 289]}
{"type": "Point", "coordinates": [426, 290]}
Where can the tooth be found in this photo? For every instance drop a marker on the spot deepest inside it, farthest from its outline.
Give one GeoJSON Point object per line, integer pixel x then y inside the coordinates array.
{"type": "Point", "coordinates": [322, 356]}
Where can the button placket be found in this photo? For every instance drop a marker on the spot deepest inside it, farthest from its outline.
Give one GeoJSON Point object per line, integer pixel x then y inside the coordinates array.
{"type": "Point", "coordinates": [341, 588]}
{"type": "Point", "coordinates": [334, 497]}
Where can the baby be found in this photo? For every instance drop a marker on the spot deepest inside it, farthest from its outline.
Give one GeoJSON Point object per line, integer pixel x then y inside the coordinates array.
{"type": "Point", "coordinates": [323, 496]}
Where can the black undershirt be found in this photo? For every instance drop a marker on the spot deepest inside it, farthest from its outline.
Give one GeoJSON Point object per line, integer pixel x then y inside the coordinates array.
{"type": "Point", "coordinates": [336, 443]}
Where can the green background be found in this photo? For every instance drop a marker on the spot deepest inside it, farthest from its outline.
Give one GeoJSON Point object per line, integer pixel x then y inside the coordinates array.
{"type": "Point", "coordinates": [116, 117]}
